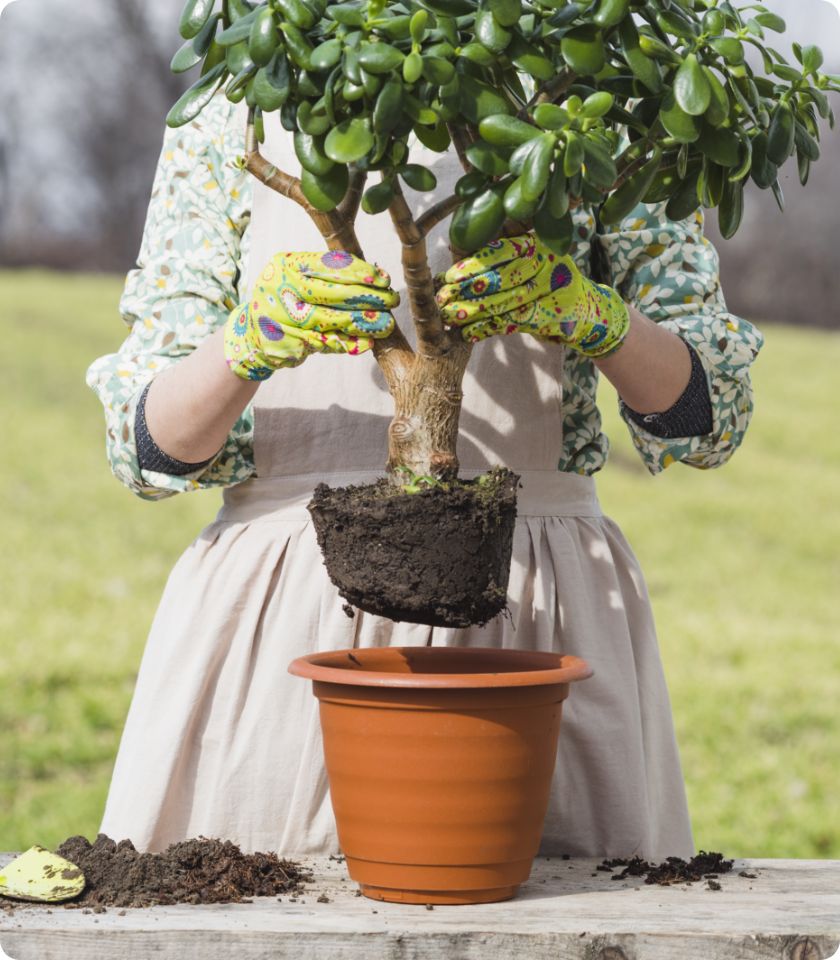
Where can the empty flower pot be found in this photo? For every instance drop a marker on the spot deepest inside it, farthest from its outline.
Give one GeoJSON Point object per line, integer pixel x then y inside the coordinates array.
{"type": "Point", "coordinates": [440, 762]}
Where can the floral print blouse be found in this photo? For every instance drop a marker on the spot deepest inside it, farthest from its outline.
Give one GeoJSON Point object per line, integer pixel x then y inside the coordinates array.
{"type": "Point", "coordinates": [194, 251]}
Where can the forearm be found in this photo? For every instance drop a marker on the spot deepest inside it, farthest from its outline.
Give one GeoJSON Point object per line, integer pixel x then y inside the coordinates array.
{"type": "Point", "coordinates": [192, 406]}
{"type": "Point", "coordinates": [651, 368]}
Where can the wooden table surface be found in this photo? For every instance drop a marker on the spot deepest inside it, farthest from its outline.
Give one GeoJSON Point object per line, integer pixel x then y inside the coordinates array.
{"type": "Point", "coordinates": [566, 911]}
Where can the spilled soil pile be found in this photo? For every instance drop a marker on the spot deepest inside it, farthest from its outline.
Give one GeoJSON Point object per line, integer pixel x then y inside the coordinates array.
{"type": "Point", "coordinates": [705, 866]}
{"type": "Point", "coordinates": [192, 871]}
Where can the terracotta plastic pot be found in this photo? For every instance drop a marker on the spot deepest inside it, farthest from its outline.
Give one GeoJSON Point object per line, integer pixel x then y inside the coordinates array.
{"type": "Point", "coordinates": [440, 762]}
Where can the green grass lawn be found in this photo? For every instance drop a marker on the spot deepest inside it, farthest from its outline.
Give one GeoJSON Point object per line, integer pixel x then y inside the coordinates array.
{"type": "Point", "coordinates": [743, 566]}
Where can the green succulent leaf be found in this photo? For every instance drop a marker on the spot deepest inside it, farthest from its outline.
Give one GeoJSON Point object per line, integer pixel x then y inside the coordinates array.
{"type": "Point", "coordinates": [470, 184]}
{"type": "Point", "coordinates": [478, 220]}
{"type": "Point", "coordinates": [506, 131]}
{"type": "Point", "coordinates": [434, 137]}
{"type": "Point", "coordinates": [377, 197]}
{"type": "Point", "coordinates": [263, 38]}
{"type": "Point", "coordinates": [194, 16]}
{"type": "Point", "coordinates": [692, 89]}
{"type": "Point", "coordinates": [194, 50]}
{"type": "Point", "coordinates": [720, 144]}
{"type": "Point", "coordinates": [555, 232]}
{"type": "Point", "coordinates": [517, 205]}
{"type": "Point", "coordinates": [682, 126]}
{"type": "Point", "coordinates": [630, 193]}
{"type": "Point", "coordinates": [611, 12]}
{"type": "Point", "coordinates": [349, 141]}
{"type": "Point", "coordinates": [730, 48]}
{"type": "Point", "coordinates": [772, 21]}
{"type": "Point", "coordinates": [812, 58]}
{"type": "Point", "coordinates": [196, 98]}
{"type": "Point", "coordinates": [583, 50]}
{"type": "Point", "coordinates": [298, 13]}
{"type": "Point", "coordinates": [489, 32]}
{"type": "Point", "coordinates": [418, 177]}
{"type": "Point", "coordinates": [731, 209]}
{"type": "Point", "coordinates": [684, 199]}
{"type": "Point", "coordinates": [549, 116]}
{"type": "Point", "coordinates": [486, 158]}
{"type": "Point", "coordinates": [479, 100]}
{"type": "Point", "coordinates": [310, 152]}
{"type": "Point", "coordinates": [325, 191]}
{"type": "Point", "coordinates": [380, 57]}
{"type": "Point", "coordinates": [644, 68]}
{"type": "Point", "coordinates": [506, 12]}
{"type": "Point", "coordinates": [326, 55]}
{"type": "Point", "coordinates": [763, 170]}
{"type": "Point", "coordinates": [535, 175]}
{"type": "Point", "coordinates": [417, 25]}
{"type": "Point", "coordinates": [599, 166]}
{"type": "Point", "coordinates": [780, 136]}
{"type": "Point", "coordinates": [597, 104]}
{"type": "Point", "coordinates": [574, 155]}
{"type": "Point", "coordinates": [717, 113]}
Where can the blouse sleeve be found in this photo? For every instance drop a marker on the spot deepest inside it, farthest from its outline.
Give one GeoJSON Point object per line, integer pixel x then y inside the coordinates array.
{"type": "Point", "coordinates": [670, 272]}
{"type": "Point", "coordinates": [183, 288]}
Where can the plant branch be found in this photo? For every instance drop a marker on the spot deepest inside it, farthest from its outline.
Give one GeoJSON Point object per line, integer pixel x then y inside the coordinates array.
{"type": "Point", "coordinates": [432, 339]}
{"type": "Point", "coordinates": [349, 206]}
{"type": "Point", "coordinates": [267, 173]}
{"type": "Point", "coordinates": [437, 212]}
{"type": "Point", "coordinates": [461, 139]}
{"type": "Point", "coordinates": [549, 91]}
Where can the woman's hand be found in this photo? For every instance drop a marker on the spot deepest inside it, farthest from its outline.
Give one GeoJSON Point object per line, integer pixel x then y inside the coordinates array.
{"type": "Point", "coordinates": [517, 285]}
{"type": "Point", "coordinates": [330, 302]}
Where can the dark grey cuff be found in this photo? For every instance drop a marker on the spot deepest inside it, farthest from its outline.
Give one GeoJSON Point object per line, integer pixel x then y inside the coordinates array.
{"type": "Point", "coordinates": [149, 454]}
{"type": "Point", "coordinates": [690, 416]}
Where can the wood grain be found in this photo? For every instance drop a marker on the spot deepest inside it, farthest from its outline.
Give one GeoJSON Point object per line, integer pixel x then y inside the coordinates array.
{"type": "Point", "coordinates": [790, 911]}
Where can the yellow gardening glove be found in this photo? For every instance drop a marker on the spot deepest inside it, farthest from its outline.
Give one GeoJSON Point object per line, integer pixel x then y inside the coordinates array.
{"type": "Point", "coordinates": [517, 285]}
{"type": "Point", "coordinates": [324, 302]}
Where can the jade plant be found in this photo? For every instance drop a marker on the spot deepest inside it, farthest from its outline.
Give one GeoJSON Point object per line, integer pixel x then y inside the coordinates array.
{"type": "Point", "coordinates": [549, 104]}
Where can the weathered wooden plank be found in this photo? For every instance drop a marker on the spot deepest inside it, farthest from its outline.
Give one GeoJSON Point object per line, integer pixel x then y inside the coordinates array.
{"type": "Point", "coordinates": [790, 911]}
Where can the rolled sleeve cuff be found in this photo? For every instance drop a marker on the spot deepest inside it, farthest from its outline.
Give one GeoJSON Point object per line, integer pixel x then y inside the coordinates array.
{"type": "Point", "coordinates": [725, 346]}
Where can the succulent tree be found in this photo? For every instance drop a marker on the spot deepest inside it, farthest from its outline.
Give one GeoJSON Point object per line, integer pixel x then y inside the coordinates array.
{"type": "Point", "coordinates": [548, 103]}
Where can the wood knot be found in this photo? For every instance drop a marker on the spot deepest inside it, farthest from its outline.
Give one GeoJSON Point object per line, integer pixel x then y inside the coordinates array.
{"type": "Point", "coordinates": [401, 428]}
{"type": "Point", "coordinates": [805, 949]}
{"type": "Point", "coordinates": [443, 464]}
{"type": "Point", "coordinates": [612, 953]}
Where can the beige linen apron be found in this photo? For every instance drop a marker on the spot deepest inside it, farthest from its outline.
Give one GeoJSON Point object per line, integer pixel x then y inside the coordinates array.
{"type": "Point", "coordinates": [221, 741]}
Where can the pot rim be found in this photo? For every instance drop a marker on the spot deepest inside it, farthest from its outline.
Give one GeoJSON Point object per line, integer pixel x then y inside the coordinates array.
{"type": "Point", "coordinates": [324, 666]}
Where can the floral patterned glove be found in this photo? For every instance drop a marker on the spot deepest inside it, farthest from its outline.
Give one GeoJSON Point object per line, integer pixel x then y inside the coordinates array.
{"type": "Point", "coordinates": [306, 303]}
{"type": "Point", "coordinates": [517, 285]}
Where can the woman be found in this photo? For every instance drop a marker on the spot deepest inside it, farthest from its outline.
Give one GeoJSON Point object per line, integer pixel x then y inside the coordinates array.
{"type": "Point", "coordinates": [206, 392]}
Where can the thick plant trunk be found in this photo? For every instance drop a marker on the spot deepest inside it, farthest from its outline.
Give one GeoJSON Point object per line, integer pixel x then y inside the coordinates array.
{"type": "Point", "coordinates": [424, 432]}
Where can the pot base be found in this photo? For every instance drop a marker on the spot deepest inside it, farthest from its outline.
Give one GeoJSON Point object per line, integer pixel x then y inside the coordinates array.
{"type": "Point", "coordinates": [438, 883]}
{"type": "Point", "coordinates": [439, 897]}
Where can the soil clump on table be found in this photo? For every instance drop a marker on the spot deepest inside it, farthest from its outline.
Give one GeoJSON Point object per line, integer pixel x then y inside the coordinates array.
{"type": "Point", "coordinates": [199, 870]}
{"type": "Point", "coordinates": [705, 866]}
{"type": "Point", "coordinates": [438, 556]}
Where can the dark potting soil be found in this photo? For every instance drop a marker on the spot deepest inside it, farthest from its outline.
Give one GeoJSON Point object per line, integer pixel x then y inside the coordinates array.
{"type": "Point", "coordinates": [440, 556]}
{"type": "Point", "coordinates": [705, 866]}
{"type": "Point", "coordinates": [192, 871]}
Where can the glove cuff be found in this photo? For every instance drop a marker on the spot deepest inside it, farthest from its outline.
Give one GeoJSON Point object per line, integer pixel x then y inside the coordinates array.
{"type": "Point", "coordinates": [608, 323]}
